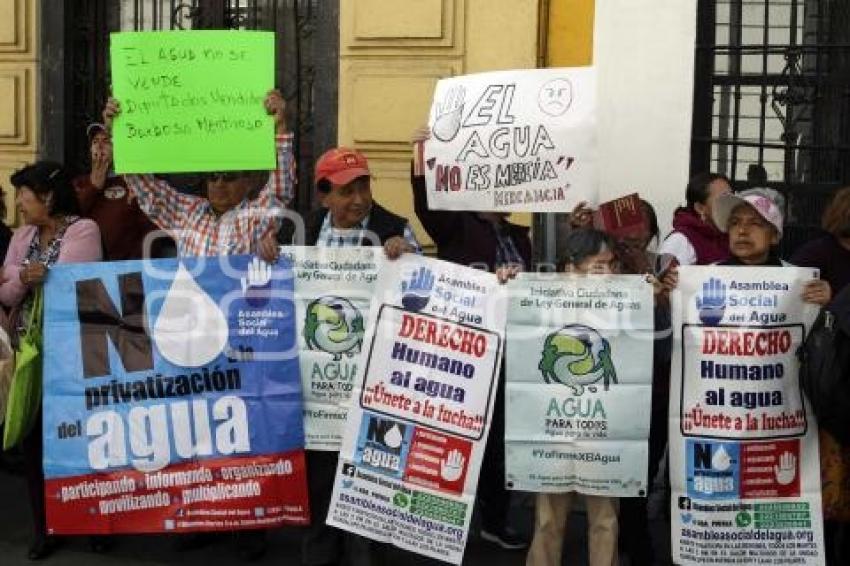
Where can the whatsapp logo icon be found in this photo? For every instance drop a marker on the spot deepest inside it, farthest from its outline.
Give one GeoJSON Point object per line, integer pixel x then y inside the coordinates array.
{"type": "Point", "coordinates": [401, 500]}
{"type": "Point", "coordinates": [743, 519]}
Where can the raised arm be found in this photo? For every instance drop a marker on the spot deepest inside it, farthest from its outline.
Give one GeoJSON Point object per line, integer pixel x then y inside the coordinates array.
{"type": "Point", "coordinates": [163, 204]}
{"type": "Point", "coordinates": [440, 224]}
{"type": "Point", "coordinates": [280, 188]}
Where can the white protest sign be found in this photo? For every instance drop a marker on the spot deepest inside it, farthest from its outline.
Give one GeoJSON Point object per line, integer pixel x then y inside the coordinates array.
{"type": "Point", "coordinates": [420, 412]}
{"type": "Point", "coordinates": [333, 291]}
{"type": "Point", "coordinates": [518, 141]}
{"type": "Point", "coordinates": [579, 384]}
{"type": "Point", "coordinates": [744, 463]}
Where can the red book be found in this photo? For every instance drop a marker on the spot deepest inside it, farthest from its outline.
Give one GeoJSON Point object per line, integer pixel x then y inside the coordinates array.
{"type": "Point", "coordinates": [620, 217]}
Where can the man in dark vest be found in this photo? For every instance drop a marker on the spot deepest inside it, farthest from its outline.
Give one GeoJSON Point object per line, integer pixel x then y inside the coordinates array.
{"type": "Point", "coordinates": [348, 217]}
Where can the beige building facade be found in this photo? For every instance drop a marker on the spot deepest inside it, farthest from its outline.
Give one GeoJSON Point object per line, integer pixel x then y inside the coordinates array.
{"type": "Point", "coordinates": [18, 91]}
{"type": "Point", "coordinates": [391, 54]}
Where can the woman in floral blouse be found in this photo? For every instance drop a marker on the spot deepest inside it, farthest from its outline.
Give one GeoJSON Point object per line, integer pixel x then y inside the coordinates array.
{"type": "Point", "coordinates": [51, 232]}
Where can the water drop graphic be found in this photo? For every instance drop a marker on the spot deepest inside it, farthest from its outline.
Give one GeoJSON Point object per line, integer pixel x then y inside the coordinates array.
{"type": "Point", "coordinates": [393, 437]}
{"type": "Point", "coordinates": [721, 460]}
{"type": "Point", "coordinates": [191, 330]}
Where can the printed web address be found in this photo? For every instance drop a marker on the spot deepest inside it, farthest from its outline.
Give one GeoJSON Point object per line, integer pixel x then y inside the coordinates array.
{"type": "Point", "coordinates": [404, 516]}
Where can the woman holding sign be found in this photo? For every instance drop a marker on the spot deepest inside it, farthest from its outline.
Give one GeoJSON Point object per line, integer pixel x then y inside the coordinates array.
{"type": "Point", "coordinates": [588, 252]}
{"type": "Point", "coordinates": [753, 220]}
{"type": "Point", "coordinates": [52, 232]}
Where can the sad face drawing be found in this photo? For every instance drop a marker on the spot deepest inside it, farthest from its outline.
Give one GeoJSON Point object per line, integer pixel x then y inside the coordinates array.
{"type": "Point", "coordinates": [555, 97]}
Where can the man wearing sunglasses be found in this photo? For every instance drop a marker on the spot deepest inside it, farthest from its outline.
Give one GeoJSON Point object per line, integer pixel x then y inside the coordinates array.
{"type": "Point", "coordinates": [228, 221]}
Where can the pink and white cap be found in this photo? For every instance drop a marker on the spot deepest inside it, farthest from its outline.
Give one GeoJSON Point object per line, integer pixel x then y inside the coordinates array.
{"type": "Point", "coordinates": [767, 202]}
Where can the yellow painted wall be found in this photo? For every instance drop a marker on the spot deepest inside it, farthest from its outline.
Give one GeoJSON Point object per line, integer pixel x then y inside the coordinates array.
{"type": "Point", "coordinates": [569, 39]}
{"type": "Point", "coordinates": [393, 53]}
{"type": "Point", "coordinates": [18, 64]}
{"type": "Point", "coordinates": [391, 56]}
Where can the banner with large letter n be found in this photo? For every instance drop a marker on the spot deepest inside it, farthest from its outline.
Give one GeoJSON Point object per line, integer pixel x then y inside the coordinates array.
{"type": "Point", "coordinates": [171, 397]}
{"type": "Point", "coordinates": [744, 463]}
{"type": "Point", "coordinates": [421, 408]}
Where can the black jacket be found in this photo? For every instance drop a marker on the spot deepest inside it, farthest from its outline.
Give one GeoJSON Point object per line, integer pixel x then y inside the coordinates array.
{"type": "Point", "coordinates": [462, 237]}
{"type": "Point", "coordinates": [382, 223]}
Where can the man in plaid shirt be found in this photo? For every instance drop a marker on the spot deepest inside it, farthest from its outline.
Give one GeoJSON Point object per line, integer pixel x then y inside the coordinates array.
{"type": "Point", "coordinates": [227, 221]}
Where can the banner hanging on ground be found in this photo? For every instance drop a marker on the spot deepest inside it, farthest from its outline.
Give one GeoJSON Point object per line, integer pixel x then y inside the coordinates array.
{"type": "Point", "coordinates": [579, 384]}
{"type": "Point", "coordinates": [420, 413]}
{"type": "Point", "coordinates": [744, 463]}
{"type": "Point", "coordinates": [171, 397]}
{"type": "Point", "coordinates": [192, 100]}
{"type": "Point", "coordinates": [333, 291]}
{"type": "Point", "coordinates": [518, 141]}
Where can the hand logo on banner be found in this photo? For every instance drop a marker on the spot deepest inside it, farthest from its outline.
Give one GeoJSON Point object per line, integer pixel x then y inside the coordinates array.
{"type": "Point", "coordinates": [451, 467]}
{"type": "Point", "coordinates": [786, 470]}
{"type": "Point", "coordinates": [712, 303]}
{"type": "Point", "coordinates": [449, 113]}
{"type": "Point", "coordinates": [256, 285]}
{"type": "Point", "coordinates": [259, 275]}
{"type": "Point", "coordinates": [417, 291]}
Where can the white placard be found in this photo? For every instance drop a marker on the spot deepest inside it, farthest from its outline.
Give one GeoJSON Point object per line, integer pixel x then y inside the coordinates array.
{"type": "Point", "coordinates": [513, 141]}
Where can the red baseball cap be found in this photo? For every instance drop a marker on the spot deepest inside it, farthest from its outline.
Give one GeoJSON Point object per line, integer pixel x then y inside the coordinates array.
{"type": "Point", "coordinates": [341, 165]}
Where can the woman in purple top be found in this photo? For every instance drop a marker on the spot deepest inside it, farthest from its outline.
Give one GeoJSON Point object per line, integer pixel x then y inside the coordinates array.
{"type": "Point", "coordinates": [696, 238]}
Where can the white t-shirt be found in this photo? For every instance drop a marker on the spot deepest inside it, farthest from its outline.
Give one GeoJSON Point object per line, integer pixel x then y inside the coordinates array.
{"type": "Point", "coordinates": [677, 244]}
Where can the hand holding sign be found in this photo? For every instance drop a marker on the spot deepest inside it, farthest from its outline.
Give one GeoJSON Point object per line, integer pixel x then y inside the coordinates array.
{"type": "Point", "coordinates": [110, 111]}
{"type": "Point", "coordinates": [276, 106]}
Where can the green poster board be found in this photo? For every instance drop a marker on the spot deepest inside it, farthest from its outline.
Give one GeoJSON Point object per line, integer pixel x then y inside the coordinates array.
{"type": "Point", "coordinates": [192, 101]}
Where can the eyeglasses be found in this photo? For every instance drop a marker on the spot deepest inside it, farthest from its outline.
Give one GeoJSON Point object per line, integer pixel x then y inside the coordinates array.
{"type": "Point", "coordinates": [227, 176]}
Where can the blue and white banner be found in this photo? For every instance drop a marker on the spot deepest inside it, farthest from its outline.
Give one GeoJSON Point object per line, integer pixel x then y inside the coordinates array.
{"type": "Point", "coordinates": [171, 397]}
{"type": "Point", "coordinates": [421, 408]}
{"type": "Point", "coordinates": [333, 290]}
{"type": "Point", "coordinates": [744, 462]}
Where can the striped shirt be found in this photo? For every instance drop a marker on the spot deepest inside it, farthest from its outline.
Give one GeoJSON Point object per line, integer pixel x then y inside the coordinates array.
{"type": "Point", "coordinates": [194, 226]}
{"type": "Point", "coordinates": [507, 253]}
{"type": "Point", "coordinates": [338, 238]}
